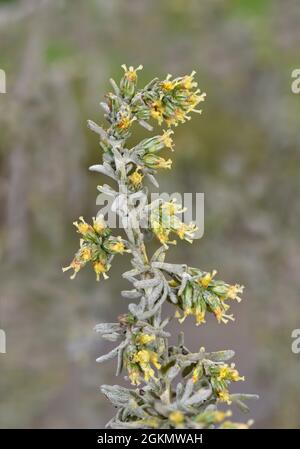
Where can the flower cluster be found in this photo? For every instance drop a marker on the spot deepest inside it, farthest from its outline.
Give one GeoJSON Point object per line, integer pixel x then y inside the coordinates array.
{"type": "Point", "coordinates": [220, 376]}
{"type": "Point", "coordinates": [198, 292]}
{"type": "Point", "coordinates": [164, 221]}
{"type": "Point", "coordinates": [140, 357]}
{"type": "Point", "coordinates": [97, 246]}
{"type": "Point", "coordinates": [171, 100]}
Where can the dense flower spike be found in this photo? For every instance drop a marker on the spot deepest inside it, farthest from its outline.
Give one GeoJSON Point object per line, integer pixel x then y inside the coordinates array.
{"type": "Point", "coordinates": [173, 387]}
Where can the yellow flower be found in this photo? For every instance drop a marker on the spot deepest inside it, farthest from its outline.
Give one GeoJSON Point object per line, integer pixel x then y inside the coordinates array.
{"type": "Point", "coordinates": [86, 254]}
{"type": "Point", "coordinates": [99, 269]}
{"type": "Point", "coordinates": [167, 84]}
{"type": "Point", "coordinates": [144, 339]}
{"type": "Point", "coordinates": [188, 311]}
{"type": "Point", "coordinates": [115, 245]}
{"type": "Point", "coordinates": [176, 418]}
{"type": "Point", "coordinates": [75, 265]}
{"type": "Point", "coordinates": [200, 317]}
{"type": "Point", "coordinates": [157, 110]}
{"type": "Point", "coordinates": [163, 163]}
{"type": "Point", "coordinates": [186, 231]}
{"type": "Point", "coordinates": [167, 140]}
{"type": "Point", "coordinates": [180, 115]}
{"type": "Point", "coordinates": [221, 316]}
{"type": "Point", "coordinates": [172, 208]}
{"type": "Point", "coordinates": [207, 278]}
{"type": "Point", "coordinates": [154, 360]}
{"type": "Point", "coordinates": [224, 396]}
{"type": "Point", "coordinates": [130, 73]}
{"type": "Point", "coordinates": [124, 123]}
{"type": "Point", "coordinates": [136, 178]}
{"type": "Point", "coordinates": [224, 372]}
{"type": "Point", "coordinates": [118, 247]}
{"type": "Point", "coordinates": [188, 82]}
{"type": "Point", "coordinates": [148, 372]}
{"type": "Point", "coordinates": [233, 292]}
{"type": "Point", "coordinates": [134, 376]}
{"type": "Point", "coordinates": [142, 356]}
{"type": "Point", "coordinates": [82, 226]}
{"type": "Point", "coordinates": [99, 224]}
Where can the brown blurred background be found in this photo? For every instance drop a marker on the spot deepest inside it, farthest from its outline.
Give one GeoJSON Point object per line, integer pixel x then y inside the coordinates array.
{"type": "Point", "coordinates": [243, 153]}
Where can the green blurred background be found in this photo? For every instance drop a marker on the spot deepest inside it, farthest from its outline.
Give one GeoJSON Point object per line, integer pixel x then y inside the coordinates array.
{"type": "Point", "coordinates": [243, 153]}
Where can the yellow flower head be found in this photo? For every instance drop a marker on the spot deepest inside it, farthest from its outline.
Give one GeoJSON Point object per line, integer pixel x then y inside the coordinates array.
{"type": "Point", "coordinates": [163, 163]}
{"type": "Point", "coordinates": [99, 269]}
{"type": "Point", "coordinates": [130, 73]}
{"type": "Point", "coordinates": [233, 292]}
{"type": "Point", "coordinates": [200, 317]}
{"type": "Point", "coordinates": [144, 339]}
{"type": "Point", "coordinates": [134, 376]}
{"type": "Point", "coordinates": [124, 123]}
{"type": "Point", "coordinates": [157, 110]}
{"type": "Point", "coordinates": [188, 311]}
{"type": "Point", "coordinates": [85, 254]}
{"type": "Point", "coordinates": [82, 227]}
{"type": "Point", "coordinates": [154, 360]}
{"type": "Point", "coordinates": [221, 316]}
{"type": "Point", "coordinates": [142, 356]}
{"type": "Point", "coordinates": [148, 372]}
{"type": "Point", "coordinates": [167, 139]}
{"type": "Point", "coordinates": [99, 224]}
{"type": "Point", "coordinates": [75, 265]}
{"type": "Point", "coordinates": [188, 82]}
{"type": "Point", "coordinates": [224, 396]}
{"type": "Point", "coordinates": [207, 278]}
{"type": "Point", "coordinates": [118, 247]}
{"type": "Point", "coordinates": [136, 178]}
{"type": "Point", "coordinates": [167, 84]}
{"type": "Point", "coordinates": [176, 418]}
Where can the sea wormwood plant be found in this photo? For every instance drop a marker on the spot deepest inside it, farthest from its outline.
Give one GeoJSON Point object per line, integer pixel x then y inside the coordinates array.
{"type": "Point", "coordinates": [172, 386]}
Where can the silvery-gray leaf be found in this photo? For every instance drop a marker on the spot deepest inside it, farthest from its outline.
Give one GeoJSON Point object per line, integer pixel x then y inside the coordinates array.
{"type": "Point", "coordinates": [173, 297]}
{"type": "Point", "coordinates": [112, 353]}
{"type": "Point", "coordinates": [146, 125]}
{"type": "Point", "coordinates": [221, 356]}
{"type": "Point", "coordinates": [153, 180]}
{"type": "Point", "coordinates": [170, 267]}
{"type": "Point", "coordinates": [150, 313]}
{"type": "Point", "coordinates": [188, 390]}
{"type": "Point", "coordinates": [97, 129]}
{"type": "Point", "coordinates": [199, 397]}
{"type": "Point", "coordinates": [146, 283]}
{"type": "Point", "coordinates": [114, 86]}
{"type": "Point", "coordinates": [104, 169]}
{"type": "Point", "coordinates": [116, 394]}
{"type": "Point", "coordinates": [107, 190]}
{"type": "Point", "coordinates": [173, 372]}
{"type": "Point", "coordinates": [107, 328]}
{"type": "Point", "coordinates": [131, 294]}
{"type": "Point", "coordinates": [105, 107]}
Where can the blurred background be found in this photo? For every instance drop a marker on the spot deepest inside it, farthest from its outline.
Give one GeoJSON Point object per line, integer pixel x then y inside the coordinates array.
{"type": "Point", "coordinates": [243, 153]}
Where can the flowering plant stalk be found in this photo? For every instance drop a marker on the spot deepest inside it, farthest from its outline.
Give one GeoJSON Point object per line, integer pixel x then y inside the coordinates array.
{"type": "Point", "coordinates": [172, 387]}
